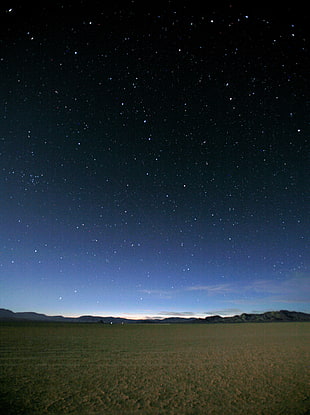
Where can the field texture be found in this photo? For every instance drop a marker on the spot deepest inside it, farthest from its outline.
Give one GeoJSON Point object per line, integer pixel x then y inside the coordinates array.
{"type": "Point", "coordinates": [87, 369]}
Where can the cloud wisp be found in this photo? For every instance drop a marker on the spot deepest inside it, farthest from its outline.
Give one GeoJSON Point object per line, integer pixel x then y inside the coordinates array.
{"type": "Point", "coordinates": [163, 294]}
{"type": "Point", "coordinates": [238, 295]}
{"type": "Point", "coordinates": [177, 313]}
{"type": "Point", "coordinates": [213, 289]}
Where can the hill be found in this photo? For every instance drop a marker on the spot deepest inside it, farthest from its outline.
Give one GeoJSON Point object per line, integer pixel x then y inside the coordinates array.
{"type": "Point", "coordinates": [269, 316]}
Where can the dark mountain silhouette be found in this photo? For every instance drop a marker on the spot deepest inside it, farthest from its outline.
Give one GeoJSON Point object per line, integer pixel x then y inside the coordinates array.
{"type": "Point", "coordinates": [270, 316]}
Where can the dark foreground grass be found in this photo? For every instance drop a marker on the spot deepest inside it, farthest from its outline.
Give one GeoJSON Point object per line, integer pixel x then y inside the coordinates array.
{"type": "Point", "coordinates": [87, 369]}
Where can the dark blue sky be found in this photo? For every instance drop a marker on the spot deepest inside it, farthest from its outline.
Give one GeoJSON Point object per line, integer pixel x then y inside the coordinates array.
{"type": "Point", "coordinates": [154, 160]}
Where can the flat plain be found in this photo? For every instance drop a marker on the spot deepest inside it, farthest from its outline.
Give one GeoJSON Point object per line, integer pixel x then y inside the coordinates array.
{"type": "Point", "coordinates": [184, 369]}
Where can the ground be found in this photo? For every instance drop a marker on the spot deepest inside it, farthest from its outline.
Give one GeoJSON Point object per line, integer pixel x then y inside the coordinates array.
{"type": "Point", "coordinates": [155, 369]}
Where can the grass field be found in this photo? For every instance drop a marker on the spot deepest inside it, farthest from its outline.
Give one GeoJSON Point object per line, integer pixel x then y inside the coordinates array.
{"type": "Point", "coordinates": [85, 369]}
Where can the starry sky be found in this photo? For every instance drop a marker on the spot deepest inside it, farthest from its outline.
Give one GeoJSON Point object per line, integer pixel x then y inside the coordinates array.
{"type": "Point", "coordinates": [154, 158]}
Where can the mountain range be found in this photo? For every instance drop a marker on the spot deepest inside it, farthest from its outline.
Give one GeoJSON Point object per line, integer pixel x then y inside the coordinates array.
{"type": "Point", "coordinates": [269, 316]}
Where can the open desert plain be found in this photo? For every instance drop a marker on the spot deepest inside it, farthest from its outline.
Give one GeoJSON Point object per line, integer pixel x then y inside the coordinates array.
{"type": "Point", "coordinates": [71, 368]}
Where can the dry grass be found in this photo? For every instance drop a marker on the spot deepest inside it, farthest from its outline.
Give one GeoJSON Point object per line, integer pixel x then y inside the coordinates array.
{"type": "Point", "coordinates": [155, 369]}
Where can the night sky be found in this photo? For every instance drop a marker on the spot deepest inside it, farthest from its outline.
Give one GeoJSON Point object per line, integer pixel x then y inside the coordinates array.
{"type": "Point", "coordinates": [154, 159]}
